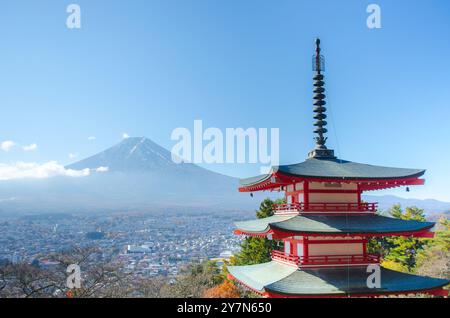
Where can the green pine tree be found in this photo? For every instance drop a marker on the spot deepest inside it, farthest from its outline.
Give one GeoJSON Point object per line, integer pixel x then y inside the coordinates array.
{"type": "Point", "coordinates": [256, 250]}
{"type": "Point", "coordinates": [401, 252]}
{"type": "Point", "coordinates": [434, 259]}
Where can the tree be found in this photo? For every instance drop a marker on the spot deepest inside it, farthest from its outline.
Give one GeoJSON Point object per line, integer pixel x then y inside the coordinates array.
{"type": "Point", "coordinates": [195, 280]}
{"type": "Point", "coordinates": [266, 208]}
{"type": "Point", "coordinates": [151, 287]}
{"type": "Point", "coordinates": [434, 259]}
{"type": "Point", "coordinates": [225, 290]}
{"type": "Point", "coordinates": [100, 277]}
{"type": "Point", "coordinates": [25, 281]}
{"type": "Point", "coordinates": [400, 253]}
{"type": "Point", "coordinates": [255, 250]}
{"type": "Point", "coordinates": [411, 213]}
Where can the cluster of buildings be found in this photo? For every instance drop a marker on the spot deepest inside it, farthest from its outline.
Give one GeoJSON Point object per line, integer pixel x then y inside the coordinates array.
{"type": "Point", "coordinates": [147, 244]}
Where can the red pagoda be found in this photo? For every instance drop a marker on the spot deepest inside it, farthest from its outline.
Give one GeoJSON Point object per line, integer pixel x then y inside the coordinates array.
{"type": "Point", "coordinates": [325, 226]}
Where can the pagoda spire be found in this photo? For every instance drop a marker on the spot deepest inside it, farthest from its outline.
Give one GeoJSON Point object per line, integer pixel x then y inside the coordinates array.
{"type": "Point", "coordinates": [320, 150]}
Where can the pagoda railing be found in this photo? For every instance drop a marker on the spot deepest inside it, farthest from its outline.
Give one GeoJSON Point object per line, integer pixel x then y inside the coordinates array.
{"type": "Point", "coordinates": [325, 259]}
{"type": "Point", "coordinates": [289, 258]}
{"type": "Point", "coordinates": [339, 259]}
{"type": "Point", "coordinates": [325, 207]}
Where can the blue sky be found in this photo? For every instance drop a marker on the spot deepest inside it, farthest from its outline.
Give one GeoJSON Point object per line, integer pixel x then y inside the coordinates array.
{"type": "Point", "coordinates": [147, 67]}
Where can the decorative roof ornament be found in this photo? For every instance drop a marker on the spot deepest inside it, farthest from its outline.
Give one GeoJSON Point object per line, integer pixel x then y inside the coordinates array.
{"type": "Point", "coordinates": [321, 150]}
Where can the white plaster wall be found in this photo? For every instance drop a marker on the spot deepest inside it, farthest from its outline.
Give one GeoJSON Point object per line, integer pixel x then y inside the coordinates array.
{"type": "Point", "coordinates": [333, 197]}
{"type": "Point", "coordinates": [300, 249]}
{"type": "Point", "coordinates": [323, 185]}
{"type": "Point", "coordinates": [335, 249]}
{"type": "Point", "coordinates": [321, 238]}
{"type": "Point", "coordinates": [287, 248]}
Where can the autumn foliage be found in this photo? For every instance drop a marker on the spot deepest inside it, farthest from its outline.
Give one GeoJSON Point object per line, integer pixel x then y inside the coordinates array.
{"type": "Point", "coordinates": [224, 290]}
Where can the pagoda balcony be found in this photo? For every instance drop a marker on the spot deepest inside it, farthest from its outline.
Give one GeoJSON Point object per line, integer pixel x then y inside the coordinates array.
{"type": "Point", "coordinates": [323, 260]}
{"type": "Point", "coordinates": [285, 258]}
{"type": "Point", "coordinates": [296, 208]}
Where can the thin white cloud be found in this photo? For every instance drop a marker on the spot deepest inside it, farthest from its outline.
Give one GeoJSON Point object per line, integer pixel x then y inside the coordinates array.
{"type": "Point", "coordinates": [102, 169]}
{"type": "Point", "coordinates": [21, 170]}
{"type": "Point", "coordinates": [92, 138]}
{"type": "Point", "coordinates": [7, 145]}
{"type": "Point", "coordinates": [31, 147]}
{"type": "Point", "coordinates": [72, 155]}
{"type": "Point", "coordinates": [125, 136]}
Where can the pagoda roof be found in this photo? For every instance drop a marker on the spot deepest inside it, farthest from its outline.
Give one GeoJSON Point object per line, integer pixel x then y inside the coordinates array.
{"type": "Point", "coordinates": [330, 168]}
{"type": "Point", "coordinates": [260, 275]}
{"type": "Point", "coordinates": [320, 224]}
{"type": "Point", "coordinates": [277, 279]}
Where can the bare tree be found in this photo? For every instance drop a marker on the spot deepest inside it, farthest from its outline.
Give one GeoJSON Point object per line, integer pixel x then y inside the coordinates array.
{"type": "Point", "coordinates": [100, 277]}
{"type": "Point", "coordinates": [24, 280]}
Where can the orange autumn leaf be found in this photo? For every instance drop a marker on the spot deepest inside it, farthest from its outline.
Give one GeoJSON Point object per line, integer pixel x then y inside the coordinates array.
{"type": "Point", "coordinates": [224, 290]}
{"type": "Point", "coordinates": [69, 294]}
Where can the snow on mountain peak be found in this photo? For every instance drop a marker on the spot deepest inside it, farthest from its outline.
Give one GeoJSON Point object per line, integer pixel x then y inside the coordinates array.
{"type": "Point", "coordinates": [131, 154]}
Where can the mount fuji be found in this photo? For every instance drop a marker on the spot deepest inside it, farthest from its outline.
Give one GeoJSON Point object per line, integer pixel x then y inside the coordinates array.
{"type": "Point", "coordinates": [133, 175]}
{"type": "Point", "coordinates": [135, 154]}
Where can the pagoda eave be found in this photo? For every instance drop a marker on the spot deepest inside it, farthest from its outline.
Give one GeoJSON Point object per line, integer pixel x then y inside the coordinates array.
{"type": "Point", "coordinates": [432, 292]}
{"type": "Point", "coordinates": [276, 180]}
{"type": "Point", "coordinates": [281, 234]}
{"type": "Point", "coordinates": [280, 227]}
{"type": "Point", "coordinates": [330, 282]}
{"type": "Point", "coordinates": [258, 292]}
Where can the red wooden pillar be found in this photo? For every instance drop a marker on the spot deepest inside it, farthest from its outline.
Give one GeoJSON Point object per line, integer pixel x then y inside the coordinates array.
{"type": "Point", "coordinates": [305, 247]}
{"type": "Point", "coordinates": [294, 247]}
{"type": "Point", "coordinates": [365, 247]}
{"type": "Point", "coordinates": [306, 194]}
{"type": "Point", "coordinates": [359, 195]}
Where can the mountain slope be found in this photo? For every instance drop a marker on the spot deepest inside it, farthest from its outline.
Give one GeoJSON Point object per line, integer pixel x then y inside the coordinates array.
{"type": "Point", "coordinates": [430, 206]}
{"type": "Point", "coordinates": [140, 175]}
{"type": "Point", "coordinates": [147, 168]}
{"type": "Point", "coordinates": [132, 154]}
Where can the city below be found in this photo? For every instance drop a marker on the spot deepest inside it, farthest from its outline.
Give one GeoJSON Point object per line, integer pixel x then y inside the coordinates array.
{"type": "Point", "coordinates": [145, 244]}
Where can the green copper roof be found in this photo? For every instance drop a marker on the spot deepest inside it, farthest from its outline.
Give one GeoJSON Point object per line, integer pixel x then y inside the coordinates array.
{"type": "Point", "coordinates": [337, 168]}
{"type": "Point", "coordinates": [260, 225]}
{"type": "Point", "coordinates": [333, 224]}
{"type": "Point", "coordinates": [260, 275]}
{"type": "Point", "coordinates": [350, 280]}
{"type": "Point", "coordinates": [328, 281]}
{"type": "Point", "coordinates": [255, 180]}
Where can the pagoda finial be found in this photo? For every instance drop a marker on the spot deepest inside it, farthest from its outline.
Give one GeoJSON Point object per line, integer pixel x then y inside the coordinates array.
{"type": "Point", "coordinates": [320, 151]}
